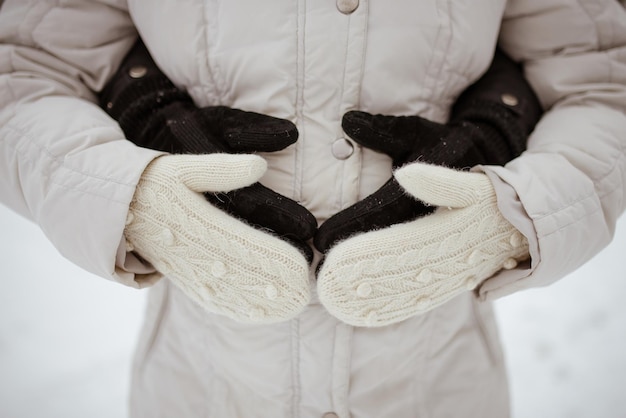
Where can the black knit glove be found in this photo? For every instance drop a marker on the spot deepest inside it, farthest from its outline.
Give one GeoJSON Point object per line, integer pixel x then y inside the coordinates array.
{"type": "Point", "coordinates": [489, 124]}
{"type": "Point", "coordinates": [155, 114]}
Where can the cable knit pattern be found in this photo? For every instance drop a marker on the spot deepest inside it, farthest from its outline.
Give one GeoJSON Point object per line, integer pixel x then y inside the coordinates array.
{"type": "Point", "coordinates": [386, 276]}
{"type": "Point", "coordinates": [225, 265]}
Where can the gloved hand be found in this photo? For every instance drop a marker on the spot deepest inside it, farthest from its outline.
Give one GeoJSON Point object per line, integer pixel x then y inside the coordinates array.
{"type": "Point", "coordinates": [225, 265]}
{"type": "Point", "coordinates": [153, 113]}
{"type": "Point", "coordinates": [386, 276]}
{"type": "Point", "coordinates": [489, 124]}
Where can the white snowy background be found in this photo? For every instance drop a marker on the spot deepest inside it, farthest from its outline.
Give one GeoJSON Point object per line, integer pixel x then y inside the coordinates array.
{"type": "Point", "coordinates": [66, 337]}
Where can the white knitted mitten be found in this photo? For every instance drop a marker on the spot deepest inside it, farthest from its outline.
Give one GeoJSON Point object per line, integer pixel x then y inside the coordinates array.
{"type": "Point", "coordinates": [225, 265]}
{"type": "Point", "coordinates": [386, 276]}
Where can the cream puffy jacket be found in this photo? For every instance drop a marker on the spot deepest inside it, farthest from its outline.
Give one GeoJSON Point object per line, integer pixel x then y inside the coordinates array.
{"type": "Point", "coordinates": [66, 165]}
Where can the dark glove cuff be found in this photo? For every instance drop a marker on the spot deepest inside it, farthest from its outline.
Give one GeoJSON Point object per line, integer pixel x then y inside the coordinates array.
{"type": "Point", "coordinates": [498, 134]}
{"type": "Point", "coordinates": [149, 93]}
{"type": "Point", "coordinates": [502, 90]}
{"type": "Point", "coordinates": [138, 89]}
{"type": "Point", "coordinates": [138, 96]}
{"type": "Point", "coordinates": [139, 113]}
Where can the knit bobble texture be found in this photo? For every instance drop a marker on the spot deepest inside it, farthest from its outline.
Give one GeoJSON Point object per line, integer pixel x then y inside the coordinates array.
{"type": "Point", "coordinates": [225, 265]}
{"type": "Point", "coordinates": [387, 276]}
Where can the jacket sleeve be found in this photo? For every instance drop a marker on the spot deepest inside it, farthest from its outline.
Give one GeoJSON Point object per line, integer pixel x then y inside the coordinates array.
{"type": "Point", "coordinates": [566, 192]}
{"type": "Point", "coordinates": [64, 164]}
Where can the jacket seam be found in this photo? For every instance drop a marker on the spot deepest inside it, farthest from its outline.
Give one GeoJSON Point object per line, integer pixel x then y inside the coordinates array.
{"type": "Point", "coordinates": [445, 89]}
{"type": "Point", "coordinates": [54, 158]}
{"type": "Point", "coordinates": [422, 389]}
{"type": "Point", "coordinates": [340, 380]}
{"type": "Point", "coordinates": [295, 367]}
{"type": "Point", "coordinates": [358, 93]}
{"type": "Point", "coordinates": [57, 161]}
{"type": "Point", "coordinates": [213, 84]}
{"type": "Point", "coordinates": [363, 51]}
{"type": "Point", "coordinates": [437, 62]}
{"type": "Point", "coordinates": [29, 40]}
{"type": "Point", "coordinates": [63, 186]}
{"type": "Point", "coordinates": [562, 227]}
{"type": "Point", "coordinates": [592, 20]}
{"type": "Point", "coordinates": [340, 195]}
{"type": "Point", "coordinates": [299, 100]}
{"type": "Point", "coordinates": [13, 103]}
{"type": "Point", "coordinates": [611, 170]}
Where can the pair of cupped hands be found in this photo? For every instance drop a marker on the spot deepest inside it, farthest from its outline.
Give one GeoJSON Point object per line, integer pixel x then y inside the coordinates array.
{"type": "Point", "coordinates": [201, 217]}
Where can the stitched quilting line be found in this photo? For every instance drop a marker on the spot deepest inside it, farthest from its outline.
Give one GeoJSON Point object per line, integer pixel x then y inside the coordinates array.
{"type": "Point", "coordinates": [23, 134]}
{"type": "Point", "coordinates": [212, 84]}
{"type": "Point", "coordinates": [299, 100]}
{"type": "Point", "coordinates": [354, 100]}
{"type": "Point", "coordinates": [602, 45]}
{"type": "Point", "coordinates": [594, 22]}
{"type": "Point", "coordinates": [584, 215]}
{"type": "Point", "coordinates": [438, 53]}
{"type": "Point", "coordinates": [340, 195]}
{"type": "Point", "coordinates": [621, 156]}
{"type": "Point", "coordinates": [57, 162]}
{"type": "Point", "coordinates": [295, 366]}
{"type": "Point", "coordinates": [296, 361]}
{"type": "Point", "coordinates": [26, 33]}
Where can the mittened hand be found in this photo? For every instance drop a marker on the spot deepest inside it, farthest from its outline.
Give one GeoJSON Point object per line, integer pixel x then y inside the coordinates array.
{"type": "Point", "coordinates": [223, 264]}
{"type": "Point", "coordinates": [153, 113]}
{"type": "Point", "coordinates": [404, 139]}
{"type": "Point", "coordinates": [489, 124]}
{"type": "Point", "coordinates": [226, 130]}
{"type": "Point", "coordinates": [182, 128]}
{"type": "Point", "coordinates": [387, 276]}
{"type": "Point", "coordinates": [408, 139]}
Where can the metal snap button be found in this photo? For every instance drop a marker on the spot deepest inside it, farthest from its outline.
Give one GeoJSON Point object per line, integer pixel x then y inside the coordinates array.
{"type": "Point", "coordinates": [509, 99]}
{"type": "Point", "coordinates": [342, 149]}
{"type": "Point", "coordinates": [347, 6]}
{"type": "Point", "coordinates": [137, 71]}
